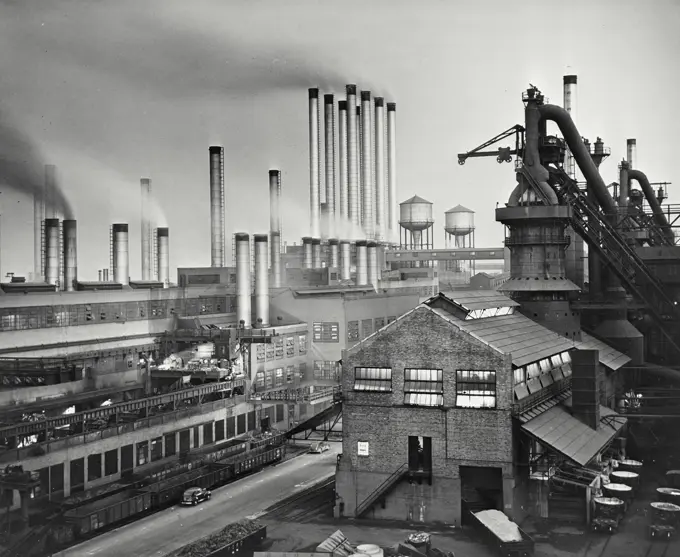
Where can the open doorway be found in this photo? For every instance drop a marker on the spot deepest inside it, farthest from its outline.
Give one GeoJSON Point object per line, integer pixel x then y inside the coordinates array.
{"type": "Point", "coordinates": [420, 458]}
{"type": "Point", "coordinates": [481, 487]}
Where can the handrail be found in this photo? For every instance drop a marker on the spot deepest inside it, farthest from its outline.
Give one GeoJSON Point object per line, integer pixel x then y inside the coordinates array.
{"type": "Point", "coordinates": [381, 489]}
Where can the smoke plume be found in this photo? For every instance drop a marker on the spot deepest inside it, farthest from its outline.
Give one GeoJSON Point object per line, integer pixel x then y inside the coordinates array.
{"type": "Point", "coordinates": [23, 170]}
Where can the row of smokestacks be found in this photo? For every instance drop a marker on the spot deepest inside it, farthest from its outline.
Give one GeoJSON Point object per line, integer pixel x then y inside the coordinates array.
{"type": "Point", "coordinates": [364, 163]}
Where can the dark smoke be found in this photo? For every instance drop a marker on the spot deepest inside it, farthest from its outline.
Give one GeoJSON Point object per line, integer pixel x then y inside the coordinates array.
{"type": "Point", "coordinates": [22, 168]}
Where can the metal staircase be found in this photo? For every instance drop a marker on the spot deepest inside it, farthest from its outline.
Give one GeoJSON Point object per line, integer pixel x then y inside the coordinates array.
{"type": "Point", "coordinates": [380, 491]}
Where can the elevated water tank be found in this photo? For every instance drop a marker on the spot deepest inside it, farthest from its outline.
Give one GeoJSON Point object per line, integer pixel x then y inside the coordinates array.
{"type": "Point", "coordinates": [459, 221]}
{"type": "Point", "coordinates": [415, 214]}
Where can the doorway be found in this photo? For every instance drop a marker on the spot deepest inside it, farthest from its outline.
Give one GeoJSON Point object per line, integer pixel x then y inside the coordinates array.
{"type": "Point", "coordinates": [481, 488]}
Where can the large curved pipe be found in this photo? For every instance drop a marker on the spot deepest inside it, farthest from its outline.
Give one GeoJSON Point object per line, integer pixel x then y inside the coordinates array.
{"type": "Point", "coordinates": [578, 149]}
{"type": "Point", "coordinates": [654, 204]}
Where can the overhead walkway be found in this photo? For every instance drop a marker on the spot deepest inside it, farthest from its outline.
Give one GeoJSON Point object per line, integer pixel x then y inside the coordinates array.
{"type": "Point", "coordinates": [327, 419]}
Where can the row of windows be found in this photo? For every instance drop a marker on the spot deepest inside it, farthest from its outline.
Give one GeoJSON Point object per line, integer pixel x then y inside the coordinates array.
{"type": "Point", "coordinates": [326, 332]}
{"type": "Point", "coordinates": [40, 317]}
{"type": "Point", "coordinates": [282, 347]}
{"type": "Point", "coordinates": [368, 327]}
{"type": "Point", "coordinates": [533, 377]}
{"type": "Point", "coordinates": [425, 387]}
{"type": "Point", "coordinates": [272, 378]}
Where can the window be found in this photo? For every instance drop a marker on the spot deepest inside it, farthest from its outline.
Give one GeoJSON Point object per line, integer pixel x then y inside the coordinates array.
{"type": "Point", "coordinates": [270, 351]}
{"type": "Point", "coordinates": [302, 344]}
{"type": "Point", "coordinates": [259, 381]}
{"type": "Point", "coordinates": [156, 449]}
{"type": "Point", "coordinates": [353, 330]}
{"type": "Point", "coordinates": [475, 389]}
{"type": "Point", "coordinates": [111, 462]}
{"type": "Point", "coordinates": [390, 319]}
{"type": "Point", "coordinates": [269, 379]}
{"type": "Point", "coordinates": [379, 323]}
{"type": "Point", "coordinates": [289, 374]}
{"type": "Point", "coordinates": [519, 376]}
{"type": "Point", "coordinates": [279, 376]}
{"type": "Point", "coordinates": [279, 347]}
{"type": "Point", "coordinates": [489, 312]}
{"type": "Point", "coordinates": [373, 379]}
{"type": "Point", "coordinates": [366, 328]}
{"type": "Point", "coordinates": [260, 353]}
{"type": "Point", "coordinates": [325, 369]}
{"type": "Point", "coordinates": [94, 467]}
{"type": "Point", "coordinates": [325, 332]}
{"type": "Point", "coordinates": [142, 453]}
{"type": "Point", "coordinates": [303, 371]}
{"type": "Point", "coordinates": [424, 387]}
{"type": "Point", "coordinates": [290, 347]}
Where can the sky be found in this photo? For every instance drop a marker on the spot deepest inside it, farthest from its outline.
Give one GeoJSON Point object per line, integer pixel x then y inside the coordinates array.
{"type": "Point", "coordinates": [114, 91]}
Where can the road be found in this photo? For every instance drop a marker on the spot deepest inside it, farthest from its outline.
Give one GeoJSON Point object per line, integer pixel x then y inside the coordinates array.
{"type": "Point", "coordinates": [163, 532]}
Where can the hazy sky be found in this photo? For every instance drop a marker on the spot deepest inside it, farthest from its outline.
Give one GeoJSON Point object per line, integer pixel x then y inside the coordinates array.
{"type": "Point", "coordinates": [111, 91]}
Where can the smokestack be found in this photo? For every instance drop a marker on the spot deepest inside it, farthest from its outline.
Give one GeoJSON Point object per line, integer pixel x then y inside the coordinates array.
{"type": "Point", "coordinates": [329, 116]}
{"type": "Point", "coordinates": [306, 253]}
{"type": "Point", "coordinates": [342, 154]}
{"type": "Point", "coordinates": [275, 225]}
{"type": "Point", "coordinates": [217, 236]}
{"type": "Point", "coordinates": [314, 187]}
{"type": "Point", "coordinates": [366, 164]}
{"type": "Point", "coordinates": [372, 257]}
{"type": "Point", "coordinates": [276, 259]}
{"type": "Point", "coordinates": [52, 251]}
{"type": "Point", "coordinates": [121, 254]}
{"type": "Point", "coordinates": [38, 218]}
{"type": "Point", "coordinates": [392, 203]}
{"type": "Point", "coordinates": [570, 107]}
{"type": "Point", "coordinates": [360, 185]}
{"type": "Point", "coordinates": [362, 264]}
{"type": "Point", "coordinates": [100, 275]}
{"type": "Point", "coordinates": [345, 260]}
{"type": "Point", "coordinates": [352, 156]}
{"type": "Point", "coordinates": [631, 153]}
{"type": "Point", "coordinates": [624, 185]}
{"type": "Point", "coordinates": [261, 281]}
{"type": "Point", "coordinates": [163, 255]}
{"type": "Point", "coordinates": [147, 230]}
{"type": "Point", "coordinates": [585, 401]}
{"type": "Point", "coordinates": [106, 275]}
{"type": "Point", "coordinates": [50, 195]}
{"type": "Point", "coordinates": [316, 253]}
{"type": "Point", "coordinates": [243, 301]}
{"type": "Point", "coordinates": [380, 169]}
{"type": "Point", "coordinates": [70, 255]}
{"type": "Point", "coordinates": [334, 256]}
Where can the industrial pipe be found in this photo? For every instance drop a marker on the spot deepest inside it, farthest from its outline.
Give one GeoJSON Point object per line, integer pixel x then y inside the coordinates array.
{"type": "Point", "coordinates": [163, 255]}
{"type": "Point", "coordinates": [314, 186]}
{"type": "Point", "coordinates": [275, 201]}
{"type": "Point", "coordinates": [276, 259]}
{"type": "Point", "coordinates": [625, 186]}
{"type": "Point", "coordinates": [631, 152]}
{"type": "Point", "coordinates": [345, 260]}
{"type": "Point", "coordinates": [217, 236]}
{"type": "Point", "coordinates": [569, 106]}
{"type": "Point", "coordinates": [261, 281]}
{"type": "Point", "coordinates": [121, 254]}
{"type": "Point", "coordinates": [342, 157]}
{"type": "Point", "coordinates": [329, 117]}
{"type": "Point", "coordinates": [360, 185]}
{"type": "Point", "coordinates": [333, 249]}
{"type": "Point", "coordinates": [306, 253]}
{"type": "Point", "coordinates": [147, 229]}
{"type": "Point", "coordinates": [243, 301]}
{"type": "Point", "coordinates": [352, 156]}
{"type": "Point", "coordinates": [372, 257]}
{"type": "Point", "coordinates": [659, 216]}
{"type": "Point", "coordinates": [380, 169]}
{"type": "Point", "coordinates": [52, 251]}
{"type": "Point", "coordinates": [316, 253]}
{"type": "Point", "coordinates": [362, 264]}
{"type": "Point", "coordinates": [367, 165]}
{"type": "Point", "coordinates": [70, 248]}
{"type": "Point", "coordinates": [392, 203]}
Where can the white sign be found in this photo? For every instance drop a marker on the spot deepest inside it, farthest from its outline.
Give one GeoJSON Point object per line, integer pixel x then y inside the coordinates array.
{"type": "Point", "coordinates": [362, 448]}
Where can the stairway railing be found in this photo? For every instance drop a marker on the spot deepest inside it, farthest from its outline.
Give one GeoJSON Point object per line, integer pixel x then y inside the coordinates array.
{"type": "Point", "coordinates": [379, 491]}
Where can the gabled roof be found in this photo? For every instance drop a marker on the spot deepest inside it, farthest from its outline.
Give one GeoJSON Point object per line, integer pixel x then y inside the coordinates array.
{"type": "Point", "coordinates": [609, 357]}
{"type": "Point", "coordinates": [415, 199]}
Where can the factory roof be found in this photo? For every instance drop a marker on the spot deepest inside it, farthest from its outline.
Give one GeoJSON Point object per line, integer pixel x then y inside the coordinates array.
{"type": "Point", "coordinates": [480, 299]}
{"type": "Point", "coordinates": [538, 285]}
{"type": "Point", "coordinates": [84, 350]}
{"type": "Point", "coordinates": [458, 209]}
{"type": "Point", "coordinates": [415, 199]}
{"type": "Point", "coordinates": [609, 357]}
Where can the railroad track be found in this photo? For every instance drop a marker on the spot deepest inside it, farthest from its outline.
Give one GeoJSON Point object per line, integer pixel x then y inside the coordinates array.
{"type": "Point", "coordinates": [307, 502]}
{"type": "Point", "coordinates": [656, 548]}
{"type": "Point", "coordinates": [659, 549]}
{"type": "Point", "coordinates": [594, 552]}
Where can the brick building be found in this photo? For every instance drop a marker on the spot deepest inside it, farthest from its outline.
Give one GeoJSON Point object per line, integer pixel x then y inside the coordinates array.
{"type": "Point", "coordinates": [430, 410]}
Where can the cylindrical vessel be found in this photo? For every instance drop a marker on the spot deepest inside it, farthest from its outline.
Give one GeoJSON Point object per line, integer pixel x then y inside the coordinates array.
{"type": "Point", "coordinates": [627, 478]}
{"type": "Point", "coordinates": [618, 491]}
{"type": "Point", "coordinates": [345, 260]}
{"type": "Point", "coordinates": [121, 257]}
{"type": "Point", "coordinates": [367, 165]}
{"type": "Point", "coordinates": [673, 478]}
{"type": "Point", "coordinates": [370, 550]}
{"type": "Point", "coordinates": [163, 255]}
{"type": "Point", "coordinates": [570, 107]}
{"type": "Point", "coordinates": [630, 466]}
{"type": "Point", "coordinates": [392, 204]}
{"type": "Point", "coordinates": [668, 495]}
{"type": "Point", "coordinates": [334, 255]}
{"type": "Point", "coordinates": [52, 251]}
{"type": "Point", "coordinates": [316, 253]}
{"type": "Point", "coordinates": [362, 264]}
{"type": "Point", "coordinates": [261, 281]}
{"type": "Point", "coordinates": [314, 187]}
{"type": "Point", "coordinates": [352, 157]}
{"type": "Point", "coordinates": [217, 239]}
{"type": "Point", "coordinates": [147, 230]}
{"type": "Point", "coordinates": [342, 211]}
{"type": "Point", "coordinates": [243, 300]}
{"type": "Point", "coordinates": [306, 253]}
{"type": "Point", "coordinates": [380, 205]}
{"type": "Point", "coordinates": [329, 117]}
{"type": "Point", "coordinates": [275, 201]}
{"type": "Point", "coordinates": [665, 513]}
{"type": "Point", "coordinates": [631, 153]}
{"type": "Point", "coordinates": [276, 259]}
{"type": "Point", "coordinates": [372, 260]}
{"type": "Point", "coordinates": [608, 507]}
{"type": "Point", "coordinates": [70, 255]}
{"type": "Point", "coordinates": [100, 275]}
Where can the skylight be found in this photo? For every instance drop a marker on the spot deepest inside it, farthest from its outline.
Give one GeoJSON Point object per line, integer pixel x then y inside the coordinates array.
{"type": "Point", "coordinates": [489, 312]}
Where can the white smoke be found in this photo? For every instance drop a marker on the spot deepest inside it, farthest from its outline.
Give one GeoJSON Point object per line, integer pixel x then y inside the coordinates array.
{"type": "Point", "coordinates": [344, 229]}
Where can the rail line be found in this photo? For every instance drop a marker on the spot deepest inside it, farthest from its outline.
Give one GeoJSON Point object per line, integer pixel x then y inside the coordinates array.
{"type": "Point", "coordinates": [317, 491]}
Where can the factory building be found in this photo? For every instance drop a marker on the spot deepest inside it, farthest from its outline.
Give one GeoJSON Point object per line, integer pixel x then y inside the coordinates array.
{"type": "Point", "coordinates": [454, 405]}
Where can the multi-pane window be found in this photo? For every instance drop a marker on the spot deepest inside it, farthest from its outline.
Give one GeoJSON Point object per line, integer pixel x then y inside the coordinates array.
{"type": "Point", "coordinates": [269, 351]}
{"type": "Point", "coordinates": [302, 371]}
{"type": "Point", "coordinates": [302, 344]}
{"type": "Point", "coordinates": [259, 381]}
{"type": "Point", "coordinates": [390, 319]}
{"type": "Point", "coordinates": [489, 312]}
{"type": "Point", "coordinates": [279, 376]}
{"type": "Point", "coordinates": [269, 379]}
{"type": "Point", "coordinates": [260, 353]}
{"type": "Point", "coordinates": [290, 347]}
{"type": "Point", "coordinates": [290, 371]}
{"type": "Point", "coordinates": [325, 369]}
{"type": "Point", "coordinates": [366, 327]}
{"type": "Point", "coordinates": [325, 332]}
{"type": "Point", "coordinates": [279, 347]}
{"type": "Point", "coordinates": [373, 379]}
{"type": "Point", "coordinates": [424, 387]}
{"type": "Point", "coordinates": [353, 330]}
{"type": "Point", "coordinates": [379, 323]}
{"type": "Point", "coordinates": [475, 389]}
{"type": "Point", "coordinates": [533, 377]}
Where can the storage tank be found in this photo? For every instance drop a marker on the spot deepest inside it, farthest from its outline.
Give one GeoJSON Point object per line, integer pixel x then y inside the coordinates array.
{"type": "Point", "coordinates": [459, 222]}
{"type": "Point", "coordinates": [415, 216]}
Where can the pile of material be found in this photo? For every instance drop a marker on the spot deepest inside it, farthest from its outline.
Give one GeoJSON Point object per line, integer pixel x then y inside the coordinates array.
{"type": "Point", "coordinates": [213, 542]}
{"type": "Point", "coordinates": [500, 525]}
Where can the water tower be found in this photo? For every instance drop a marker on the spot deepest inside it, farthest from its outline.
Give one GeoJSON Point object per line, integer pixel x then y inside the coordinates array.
{"type": "Point", "coordinates": [459, 222]}
{"type": "Point", "coordinates": [415, 217]}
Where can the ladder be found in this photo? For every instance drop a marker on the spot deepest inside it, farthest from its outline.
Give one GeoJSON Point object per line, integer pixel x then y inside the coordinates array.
{"type": "Point", "coordinates": [111, 252]}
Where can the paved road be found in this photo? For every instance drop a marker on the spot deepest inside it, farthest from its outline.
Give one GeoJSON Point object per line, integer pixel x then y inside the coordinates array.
{"type": "Point", "coordinates": [163, 532]}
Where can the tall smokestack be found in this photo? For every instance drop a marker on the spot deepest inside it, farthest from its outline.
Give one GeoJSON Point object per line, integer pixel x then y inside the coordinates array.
{"type": "Point", "coordinates": [334, 255]}
{"type": "Point", "coordinates": [261, 281]}
{"type": "Point", "coordinates": [380, 169]}
{"type": "Point", "coordinates": [570, 107]}
{"type": "Point", "coordinates": [360, 173]}
{"type": "Point", "coordinates": [306, 253]}
{"type": "Point", "coordinates": [217, 234]}
{"type": "Point", "coordinates": [372, 257]}
{"type": "Point", "coordinates": [121, 254]}
{"type": "Point", "coordinates": [366, 164]}
{"type": "Point", "coordinates": [163, 255]}
{"type": "Point", "coordinates": [329, 117]}
{"type": "Point", "coordinates": [275, 225]}
{"type": "Point", "coordinates": [342, 155]}
{"type": "Point", "coordinates": [38, 218]}
{"type": "Point", "coordinates": [243, 300]}
{"type": "Point", "coordinates": [345, 260]}
{"type": "Point", "coordinates": [352, 157]}
{"type": "Point", "coordinates": [314, 187]}
{"type": "Point", "coordinates": [70, 255]}
{"type": "Point", "coordinates": [624, 185]}
{"type": "Point", "coordinates": [392, 203]}
{"type": "Point", "coordinates": [362, 264]}
{"type": "Point", "coordinates": [52, 251]}
{"type": "Point", "coordinates": [631, 153]}
{"type": "Point", "coordinates": [316, 253]}
{"type": "Point", "coordinates": [147, 230]}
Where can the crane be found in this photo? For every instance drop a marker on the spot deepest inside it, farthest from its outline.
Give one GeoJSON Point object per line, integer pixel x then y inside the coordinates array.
{"type": "Point", "coordinates": [503, 154]}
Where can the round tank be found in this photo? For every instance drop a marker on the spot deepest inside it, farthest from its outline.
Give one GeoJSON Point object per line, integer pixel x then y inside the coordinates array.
{"type": "Point", "coordinates": [630, 466]}
{"type": "Point", "coordinates": [415, 214]}
{"type": "Point", "coordinates": [459, 221]}
{"type": "Point", "coordinates": [608, 507]}
{"type": "Point", "coordinates": [627, 478]}
{"type": "Point", "coordinates": [618, 491]}
{"type": "Point", "coordinates": [668, 495]}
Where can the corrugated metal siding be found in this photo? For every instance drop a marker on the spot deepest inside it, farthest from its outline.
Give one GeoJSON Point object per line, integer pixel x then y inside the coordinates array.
{"type": "Point", "coordinates": [609, 357]}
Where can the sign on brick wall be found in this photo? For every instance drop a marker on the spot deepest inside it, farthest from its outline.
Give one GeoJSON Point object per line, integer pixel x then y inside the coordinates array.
{"type": "Point", "coordinates": [362, 448]}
